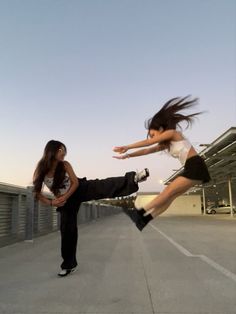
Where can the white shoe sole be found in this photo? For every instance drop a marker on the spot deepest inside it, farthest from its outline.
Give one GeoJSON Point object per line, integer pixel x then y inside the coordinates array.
{"type": "Point", "coordinates": [67, 274]}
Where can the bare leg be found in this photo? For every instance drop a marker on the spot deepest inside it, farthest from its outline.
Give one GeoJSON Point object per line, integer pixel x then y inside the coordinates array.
{"type": "Point", "coordinates": [160, 203]}
{"type": "Point", "coordinates": [157, 211]}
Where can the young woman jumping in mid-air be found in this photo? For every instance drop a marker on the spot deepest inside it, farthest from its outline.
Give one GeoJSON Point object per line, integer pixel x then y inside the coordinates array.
{"type": "Point", "coordinates": [164, 135]}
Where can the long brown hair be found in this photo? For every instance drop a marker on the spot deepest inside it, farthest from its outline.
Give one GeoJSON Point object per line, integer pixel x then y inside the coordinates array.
{"type": "Point", "coordinates": [44, 166]}
{"type": "Point", "coordinates": [168, 117]}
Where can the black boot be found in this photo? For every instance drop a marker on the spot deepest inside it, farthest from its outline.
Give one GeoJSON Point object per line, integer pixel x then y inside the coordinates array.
{"type": "Point", "coordinates": [137, 216]}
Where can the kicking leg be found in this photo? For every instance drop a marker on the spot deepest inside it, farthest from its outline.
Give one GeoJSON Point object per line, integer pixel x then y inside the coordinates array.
{"type": "Point", "coordinates": [112, 187]}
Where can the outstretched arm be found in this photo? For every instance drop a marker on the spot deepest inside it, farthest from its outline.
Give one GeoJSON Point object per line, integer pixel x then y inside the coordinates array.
{"type": "Point", "coordinates": [141, 152]}
{"type": "Point", "coordinates": [157, 138]}
{"type": "Point", "coordinates": [144, 143]}
{"type": "Point", "coordinates": [164, 136]}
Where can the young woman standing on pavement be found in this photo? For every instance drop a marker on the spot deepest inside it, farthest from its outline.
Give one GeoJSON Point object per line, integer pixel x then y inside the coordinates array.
{"type": "Point", "coordinates": [70, 191]}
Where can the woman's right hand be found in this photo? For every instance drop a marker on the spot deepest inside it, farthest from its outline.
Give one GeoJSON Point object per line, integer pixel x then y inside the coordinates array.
{"type": "Point", "coordinates": [58, 202]}
{"type": "Point", "coordinates": [120, 149]}
{"type": "Point", "coordinates": [121, 156]}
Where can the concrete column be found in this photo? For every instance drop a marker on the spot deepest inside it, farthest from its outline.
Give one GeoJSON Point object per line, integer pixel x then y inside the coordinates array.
{"type": "Point", "coordinates": [230, 197]}
{"type": "Point", "coordinates": [204, 201]}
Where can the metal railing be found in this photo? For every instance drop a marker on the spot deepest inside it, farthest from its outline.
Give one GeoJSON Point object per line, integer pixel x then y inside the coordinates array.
{"type": "Point", "coordinates": [22, 217]}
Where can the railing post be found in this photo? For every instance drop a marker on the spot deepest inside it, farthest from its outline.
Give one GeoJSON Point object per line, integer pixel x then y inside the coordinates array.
{"type": "Point", "coordinates": [36, 213]}
{"type": "Point", "coordinates": [29, 215]}
{"type": "Point", "coordinates": [15, 215]}
{"type": "Point", "coordinates": [204, 201]}
{"type": "Point", "coordinates": [58, 220]}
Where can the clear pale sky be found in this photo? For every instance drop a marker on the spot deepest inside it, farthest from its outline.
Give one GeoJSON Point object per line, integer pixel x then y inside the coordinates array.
{"type": "Point", "coordinates": [89, 73]}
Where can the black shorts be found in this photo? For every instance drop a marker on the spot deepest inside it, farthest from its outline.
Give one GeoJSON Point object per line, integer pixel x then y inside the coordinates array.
{"type": "Point", "coordinates": [196, 169]}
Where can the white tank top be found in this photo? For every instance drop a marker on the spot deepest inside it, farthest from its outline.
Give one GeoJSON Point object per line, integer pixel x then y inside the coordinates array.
{"type": "Point", "coordinates": [180, 150]}
{"type": "Point", "coordinates": [65, 185]}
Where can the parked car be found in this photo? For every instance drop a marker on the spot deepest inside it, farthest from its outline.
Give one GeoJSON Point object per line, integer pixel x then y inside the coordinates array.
{"type": "Point", "coordinates": [221, 209]}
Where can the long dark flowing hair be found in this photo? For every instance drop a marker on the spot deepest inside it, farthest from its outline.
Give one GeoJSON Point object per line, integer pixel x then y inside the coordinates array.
{"type": "Point", "coordinates": [44, 166]}
{"type": "Point", "coordinates": [168, 117]}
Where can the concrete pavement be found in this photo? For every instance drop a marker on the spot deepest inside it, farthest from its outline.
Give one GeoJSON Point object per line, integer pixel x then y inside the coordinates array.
{"type": "Point", "coordinates": [176, 265]}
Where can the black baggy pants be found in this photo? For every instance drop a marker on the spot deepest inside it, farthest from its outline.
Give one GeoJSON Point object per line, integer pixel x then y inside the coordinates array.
{"type": "Point", "coordinates": [86, 191]}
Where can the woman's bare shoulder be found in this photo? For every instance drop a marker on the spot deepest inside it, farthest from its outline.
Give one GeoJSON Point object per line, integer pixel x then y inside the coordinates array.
{"type": "Point", "coordinates": [67, 164]}
{"type": "Point", "coordinates": [178, 136]}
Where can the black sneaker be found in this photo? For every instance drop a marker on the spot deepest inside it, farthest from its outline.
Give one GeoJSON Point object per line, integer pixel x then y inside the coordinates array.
{"type": "Point", "coordinates": [142, 175]}
{"type": "Point", "coordinates": [137, 217]}
{"type": "Point", "coordinates": [66, 272]}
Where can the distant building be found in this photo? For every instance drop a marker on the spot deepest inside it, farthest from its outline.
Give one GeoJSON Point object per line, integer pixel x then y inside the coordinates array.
{"type": "Point", "coordinates": [182, 205]}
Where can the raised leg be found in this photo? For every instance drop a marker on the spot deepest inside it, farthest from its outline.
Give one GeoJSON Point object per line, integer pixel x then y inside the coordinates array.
{"type": "Point", "coordinates": [109, 187]}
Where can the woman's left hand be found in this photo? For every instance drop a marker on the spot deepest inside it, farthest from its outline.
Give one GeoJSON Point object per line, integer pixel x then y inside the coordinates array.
{"type": "Point", "coordinates": [61, 198]}
{"type": "Point", "coordinates": [121, 157]}
{"type": "Point", "coordinates": [59, 201]}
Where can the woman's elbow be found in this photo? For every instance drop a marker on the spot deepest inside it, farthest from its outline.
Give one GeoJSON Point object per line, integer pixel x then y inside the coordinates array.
{"type": "Point", "coordinates": [76, 183]}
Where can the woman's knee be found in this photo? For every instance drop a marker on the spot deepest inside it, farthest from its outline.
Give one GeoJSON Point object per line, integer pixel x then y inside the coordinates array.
{"type": "Point", "coordinates": [68, 226]}
{"type": "Point", "coordinates": [69, 229]}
